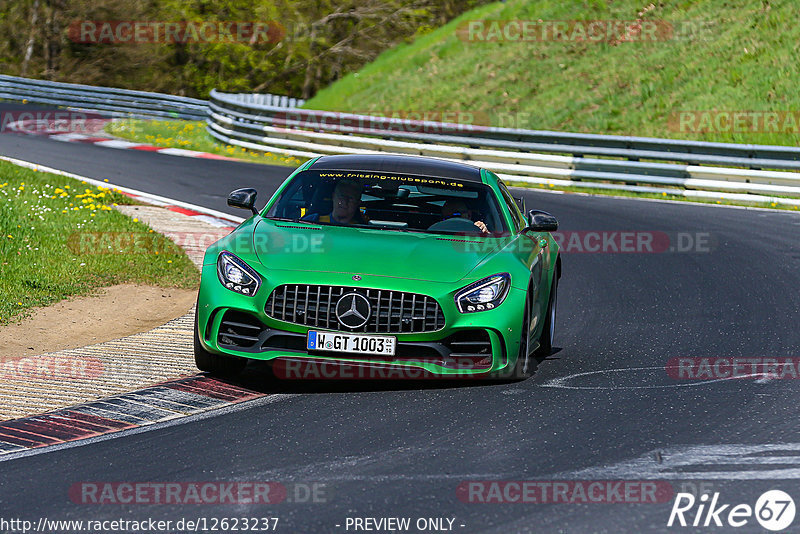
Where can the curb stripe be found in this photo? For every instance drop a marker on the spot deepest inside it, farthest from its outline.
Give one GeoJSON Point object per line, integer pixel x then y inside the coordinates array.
{"type": "Point", "coordinates": [108, 424]}
{"type": "Point", "coordinates": [10, 447]}
{"type": "Point", "coordinates": [211, 393]}
{"type": "Point", "coordinates": [25, 438]}
{"type": "Point", "coordinates": [108, 142]}
{"type": "Point", "coordinates": [75, 423]}
{"type": "Point", "coordinates": [169, 400]}
{"type": "Point", "coordinates": [49, 428]}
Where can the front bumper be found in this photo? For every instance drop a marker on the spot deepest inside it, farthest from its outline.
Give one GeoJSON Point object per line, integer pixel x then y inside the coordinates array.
{"type": "Point", "coordinates": [469, 344]}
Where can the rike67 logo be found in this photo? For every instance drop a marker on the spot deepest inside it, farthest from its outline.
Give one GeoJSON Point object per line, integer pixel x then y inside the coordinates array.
{"type": "Point", "coordinates": [774, 510]}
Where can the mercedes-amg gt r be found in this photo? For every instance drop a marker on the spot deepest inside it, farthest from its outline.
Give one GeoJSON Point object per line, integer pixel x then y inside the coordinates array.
{"type": "Point", "coordinates": [385, 261]}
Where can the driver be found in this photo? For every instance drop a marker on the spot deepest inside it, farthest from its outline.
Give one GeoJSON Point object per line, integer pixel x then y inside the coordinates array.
{"type": "Point", "coordinates": [456, 207]}
{"type": "Point", "coordinates": [346, 198]}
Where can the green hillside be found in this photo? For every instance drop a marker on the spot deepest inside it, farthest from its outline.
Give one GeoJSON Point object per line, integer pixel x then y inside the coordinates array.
{"type": "Point", "coordinates": [706, 56]}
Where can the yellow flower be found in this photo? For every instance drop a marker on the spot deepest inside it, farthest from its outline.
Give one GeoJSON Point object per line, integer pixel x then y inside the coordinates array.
{"type": "Point", "coordinates": [105, 179]}
{"type": "Point", "coordinates": [10, 236]}
{"type": "Point", "coordinates": [169, 261]}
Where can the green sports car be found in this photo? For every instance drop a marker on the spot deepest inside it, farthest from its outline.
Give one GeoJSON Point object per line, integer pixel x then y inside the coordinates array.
{"type": "Point", "coordinates": [426, 267]}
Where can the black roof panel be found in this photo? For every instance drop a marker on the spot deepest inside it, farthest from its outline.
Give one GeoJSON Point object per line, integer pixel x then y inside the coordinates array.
{"type": "Point", "coordinates": [400, 165]}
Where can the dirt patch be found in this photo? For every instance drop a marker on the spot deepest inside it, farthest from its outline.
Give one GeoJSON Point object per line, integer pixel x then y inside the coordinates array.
{"type": "Point", "coordinates": [118, 311]}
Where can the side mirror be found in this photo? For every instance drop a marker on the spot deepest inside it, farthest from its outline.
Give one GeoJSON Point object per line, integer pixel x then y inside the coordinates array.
{"type": "Point", "coordinates": [541, 221]}
{"type": "Point", "coordinates": [244, 198]}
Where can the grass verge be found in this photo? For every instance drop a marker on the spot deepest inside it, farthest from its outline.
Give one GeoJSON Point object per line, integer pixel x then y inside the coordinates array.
{"type": "Point", "coordinates": [191, 135]}
{"type": "Point", "coordinates": [720, 56]}
{"type": "Point", "coordinates": [60, 237]}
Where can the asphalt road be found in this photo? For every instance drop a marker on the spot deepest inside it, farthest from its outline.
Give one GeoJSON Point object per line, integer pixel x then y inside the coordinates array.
{"type": "Point", "coordinates": [603, 407]}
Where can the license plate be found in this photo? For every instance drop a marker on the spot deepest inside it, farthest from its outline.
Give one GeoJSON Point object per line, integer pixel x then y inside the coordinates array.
{"type": "Point", "coordinates": [351, 343]}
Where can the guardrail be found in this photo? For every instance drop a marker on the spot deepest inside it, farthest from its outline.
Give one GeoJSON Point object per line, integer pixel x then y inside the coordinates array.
{"type": "Point", "coordinates": [274, 123]}
{"type": "Point", "coordinates": [687, 168]}
{"type": "Point", "coordinates": [111, 101]}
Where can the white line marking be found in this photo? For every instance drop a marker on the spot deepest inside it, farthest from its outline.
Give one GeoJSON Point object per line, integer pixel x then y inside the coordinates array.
{"type": "Point", "coordinates": [561, 381]}
{"type": "Point", "coordinates": [69, 137]}
{"type": "Point", "coordinates": [677, 463]}
{"type": "Point", "coordinates": [116, 143]}
{"type": "Point", "coordinates": [179, 152]}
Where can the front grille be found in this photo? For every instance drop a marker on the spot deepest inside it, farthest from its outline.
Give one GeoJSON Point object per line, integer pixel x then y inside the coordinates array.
{"type": "Point", "coordinates": [393, 312]}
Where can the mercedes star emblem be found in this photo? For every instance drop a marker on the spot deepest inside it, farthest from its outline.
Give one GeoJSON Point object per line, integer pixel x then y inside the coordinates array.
{"type": "Point", "coordinates": [353, 310]}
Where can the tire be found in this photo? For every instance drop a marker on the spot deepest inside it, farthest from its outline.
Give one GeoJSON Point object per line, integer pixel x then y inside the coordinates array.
{"type": "Point", "coordinates": [549, 328]}
{"type": "Point", "coordinates": [215, 364]}
{"type": "Point", "coordinates": [522, 369]}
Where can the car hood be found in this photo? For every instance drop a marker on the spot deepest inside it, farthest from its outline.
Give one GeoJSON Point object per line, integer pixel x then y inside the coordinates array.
{"type": "Point", "coordinates": [314, 248]}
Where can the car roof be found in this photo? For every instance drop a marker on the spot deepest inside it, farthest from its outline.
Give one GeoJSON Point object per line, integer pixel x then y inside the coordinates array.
{"type": "Point", "coordinates": [399, 164]}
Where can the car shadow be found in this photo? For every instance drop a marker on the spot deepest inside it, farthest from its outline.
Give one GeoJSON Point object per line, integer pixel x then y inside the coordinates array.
{"type": "Point", "coordinates": [263, 378]}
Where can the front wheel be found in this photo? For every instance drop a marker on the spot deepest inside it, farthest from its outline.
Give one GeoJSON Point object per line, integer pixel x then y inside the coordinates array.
{"type": "Point", "coordinates": [549, 327]}
{"type": "Point", "coordinates": [215, 364]}
{"type": "Point", "coordinates": [522, 367]}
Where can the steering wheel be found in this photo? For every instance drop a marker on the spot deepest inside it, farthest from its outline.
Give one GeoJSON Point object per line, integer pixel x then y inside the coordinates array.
{"type": "Point", "coordinates": [454, 224]}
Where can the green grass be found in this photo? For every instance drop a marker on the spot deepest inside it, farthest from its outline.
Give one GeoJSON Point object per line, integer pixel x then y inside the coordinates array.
{"type": "Point", "coordinates": [191, 135]}
{"type": "Point", "coordinates": [741, 56]}
{"type": "Point", "coordinates": [49, 246]}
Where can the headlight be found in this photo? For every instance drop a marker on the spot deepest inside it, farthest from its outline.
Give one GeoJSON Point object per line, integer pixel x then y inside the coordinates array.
{"type": "Point", "coordinates": [484, 294]}
{"type": "Point", "coordinates": [236, 275]}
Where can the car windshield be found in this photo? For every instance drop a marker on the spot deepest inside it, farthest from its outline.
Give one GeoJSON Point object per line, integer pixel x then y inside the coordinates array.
{"type": "Point", "coordinates": [390, 201]}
